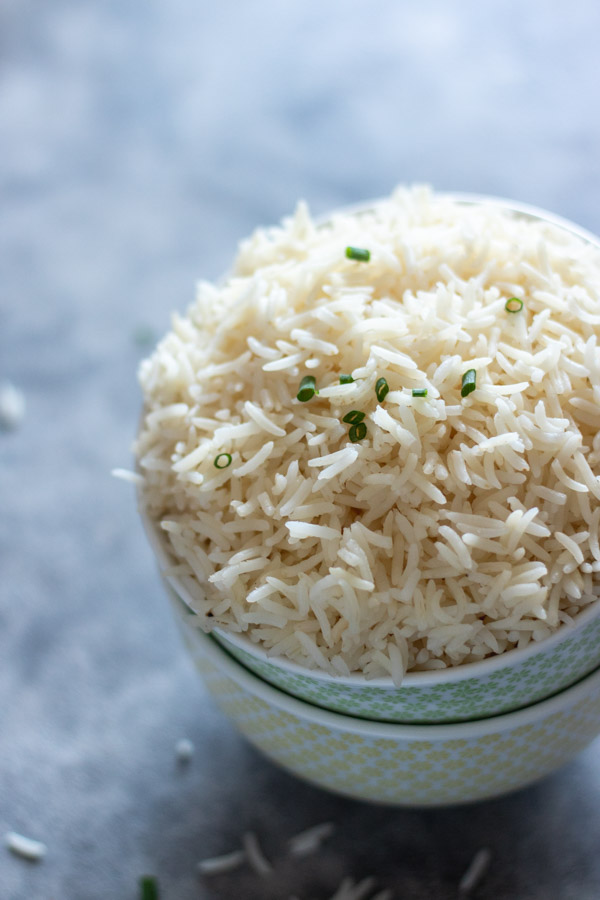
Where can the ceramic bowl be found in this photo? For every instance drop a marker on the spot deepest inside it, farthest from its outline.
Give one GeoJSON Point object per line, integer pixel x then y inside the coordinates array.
{"type": "Point", "coordinates": [404, 765]}
{"type": "Point", "coordinates": [499, 684]}
{"type": "Point", "coordinates": [496, 685]}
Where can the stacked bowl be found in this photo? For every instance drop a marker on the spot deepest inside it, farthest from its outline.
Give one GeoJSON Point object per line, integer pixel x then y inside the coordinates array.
{"type": "Point", "coordinates": [444, 737]}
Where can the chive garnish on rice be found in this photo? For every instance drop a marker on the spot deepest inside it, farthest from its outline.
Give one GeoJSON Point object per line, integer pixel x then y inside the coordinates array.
{"type": "Point", "coordinates": [382, 389]}
{"type": "Point", "coordinates": [358, 432]}
{"type": "Point", "coordinates": [354, 417]}
{"type": "Point", "coordinates": [148, 888]}
{"type": "Point", "coordinates": [346, 379]}
{"type": "Point", "coordinates": [222, 460]}
{"type": "Point", "coordinates": [469, 384]}
{"type": "Point", "coordinates": [514, 305]}
{"type": "Point", "coordinates": [419, 392]}
{"type": "Point", "coordinates": [307, 464]}
{"type": "Point", "coordinates": [307, 388]}
{"type": "Point", "coordinates": [358, 253]}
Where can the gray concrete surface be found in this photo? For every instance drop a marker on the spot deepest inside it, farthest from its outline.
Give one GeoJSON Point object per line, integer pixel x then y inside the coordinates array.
{"type": "Point", "coordinates": [138, 142]}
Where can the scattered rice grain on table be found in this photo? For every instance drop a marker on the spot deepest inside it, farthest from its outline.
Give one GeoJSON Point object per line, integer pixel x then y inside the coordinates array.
{"type": "Point", "coordinates": [349, 889]}
{"type": "Point", "coordinates": [25, 847]}
{"type": "Point", "coordinates": [12, 406]}
{"type": "Point", "coordinates": [254, 854]}
{"type": "Point", "coordinates": [310, 840]}
{"type": "Point", "coordinates": [218, 865]}
{"type": "Point", "coordinates": [475, 872]}
{"type": "Point", "coordinates": [184, 751]}
{"type": "Point", "coordinates": [452, 524]}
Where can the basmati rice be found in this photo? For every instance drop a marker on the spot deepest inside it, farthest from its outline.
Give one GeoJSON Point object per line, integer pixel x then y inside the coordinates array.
{"type": "Point", "coordinates": [351, 890]}
{"type": "Point", "coordinates": [403, 550]}
{"type": "Point", "coordinates": [219, 865]}
{"type": "Point", "coordinates": [12, 406]}
{"type": "Point", "coordinates": [184, 750]}
{"type": "Point", "coordinates": [475, 872]}
{"type": "Point", "coordinates": [25, 847]}
{"type": "Point", "coordinates": [256, 858]}
{"type": "Point", "coordinates": [310, 840]}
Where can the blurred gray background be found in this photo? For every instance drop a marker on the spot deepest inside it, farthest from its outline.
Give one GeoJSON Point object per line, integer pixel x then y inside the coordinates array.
{"type": "Point", "coordinates": [139, 141]}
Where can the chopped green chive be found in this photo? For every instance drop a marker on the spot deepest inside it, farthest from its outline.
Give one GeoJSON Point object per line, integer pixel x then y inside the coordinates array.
{"type": "Point", "coordinates": [382, 389]}
{"type": "Point", "coordinates": [354, 417]}
{"type": "Point", "coordinates": [358, 253]}
{"type": "Point", "coordinates": [357, 432]}
{"type": "Point", "coordinates": [419, 392]}
{"type": "Point", "coordinates": [514, 305]}
{"type": "Point", "coordinates": [468, 382]}
{"type": "Point", "coordinates": [346, 379]}
{"type": "Point", "coordinates": [307, 388]}
{"type": "Point", "coordinates": [148, 888]}
{"type": "Point", "coordinates": [222, 461]}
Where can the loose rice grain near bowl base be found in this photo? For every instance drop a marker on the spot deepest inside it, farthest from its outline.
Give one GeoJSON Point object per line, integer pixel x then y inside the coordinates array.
{"type": "Point", "coordinates": [369, 457]}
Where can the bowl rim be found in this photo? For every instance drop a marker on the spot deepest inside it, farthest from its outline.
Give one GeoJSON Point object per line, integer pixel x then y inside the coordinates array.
{"type": "Point", "coordinates": [425, 678]}
{"type": "Point", "coordinates": [430, 677]}
{"type": "Point", "coordinates": [273, 696]}
{"type": "Point", "coordinates": [528, 210]}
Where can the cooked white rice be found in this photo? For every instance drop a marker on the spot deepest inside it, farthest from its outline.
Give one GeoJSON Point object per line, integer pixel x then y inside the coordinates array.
{"type": "Point", "coordinates": [310, 840]}
{"type": "Point", "coordinates": [349, 889]}
{"type": "Point", "coordinates": [184, 751]}
{"type": "Point", "coordinates": [459, 527]}
{"type": "Point", "coordinates": [219, 865]}
{"type": "Point", "coordinates": [475, 872]}
{"type": "Point", "coordinates": [357, 890]}
{"type": "Point", "coordinates": [25, 847]}
{"type": "Point", "coordinates": [254, 854]}
{"type": "Point", "coordinates": [12, 406]}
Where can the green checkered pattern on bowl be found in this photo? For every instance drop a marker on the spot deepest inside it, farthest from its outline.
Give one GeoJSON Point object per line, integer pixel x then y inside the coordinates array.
{"type": "Point", "coordinates": [503, 690]}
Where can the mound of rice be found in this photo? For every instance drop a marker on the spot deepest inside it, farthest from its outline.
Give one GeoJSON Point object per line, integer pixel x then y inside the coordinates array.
{"type": "Point", "coordinates": [458, 527]}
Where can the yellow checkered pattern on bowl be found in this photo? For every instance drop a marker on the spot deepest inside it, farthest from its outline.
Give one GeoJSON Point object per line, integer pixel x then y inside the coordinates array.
{"type": "Point", "coordinates": [401, 771]}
